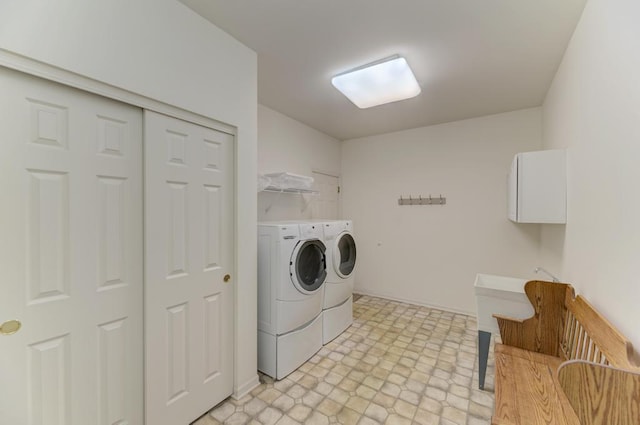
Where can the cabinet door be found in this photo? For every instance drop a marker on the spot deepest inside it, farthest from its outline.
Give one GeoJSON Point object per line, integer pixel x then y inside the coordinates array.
{"type": "Point", "coordinates": [542, 187]}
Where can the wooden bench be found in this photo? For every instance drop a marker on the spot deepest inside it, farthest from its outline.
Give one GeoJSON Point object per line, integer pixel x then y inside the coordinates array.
{"type": "Point", "coordinates": [565, 365]}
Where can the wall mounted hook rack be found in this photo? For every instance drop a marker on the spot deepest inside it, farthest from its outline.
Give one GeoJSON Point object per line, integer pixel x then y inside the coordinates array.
{"type": "Point", "coordinates": [420, 200]}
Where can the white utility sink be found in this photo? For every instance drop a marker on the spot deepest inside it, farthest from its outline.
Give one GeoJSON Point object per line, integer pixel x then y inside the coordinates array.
{"type": "Point", "coordinates": [501, 295]}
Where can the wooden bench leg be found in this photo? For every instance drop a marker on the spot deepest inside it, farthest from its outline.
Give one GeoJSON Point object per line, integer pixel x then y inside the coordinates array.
{"type": "Point", "coordinates": [484, 340]}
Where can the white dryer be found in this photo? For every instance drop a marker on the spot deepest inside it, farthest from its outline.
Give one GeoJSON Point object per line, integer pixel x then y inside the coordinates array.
{"type": "Point", "coordinates": [337, 312]}
{"type": "Point", "coordinates": [291, 277]}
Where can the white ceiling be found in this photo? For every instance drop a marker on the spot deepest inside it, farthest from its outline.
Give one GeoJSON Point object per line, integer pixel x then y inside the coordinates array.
{"type": "Point", "coordinates": [471, 57]}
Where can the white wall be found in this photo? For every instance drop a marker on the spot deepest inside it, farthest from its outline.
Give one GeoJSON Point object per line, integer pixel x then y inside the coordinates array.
{"type": "Point", "coordinates": [431, 254]}
{"type": "Point", "coordinates": [162, 50]}
{"type": "Point", "coordinates": [285, 144]}
{"type": "Point", "coordinates": [593, 109]}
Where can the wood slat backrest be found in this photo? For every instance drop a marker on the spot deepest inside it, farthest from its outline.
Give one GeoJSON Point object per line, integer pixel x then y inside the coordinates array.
{"type": "Point", "coordinates": [589, 336]}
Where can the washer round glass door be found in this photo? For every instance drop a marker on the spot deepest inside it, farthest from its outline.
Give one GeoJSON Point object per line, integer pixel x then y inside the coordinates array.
{"type": "Point", "coordinates": [308, 266]}
{"type": "Point", "coordinates": [344, 255]}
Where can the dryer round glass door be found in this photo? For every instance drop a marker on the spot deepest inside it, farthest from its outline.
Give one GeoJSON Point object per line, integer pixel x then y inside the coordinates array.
{"type": "Point", "coordinates": [308, 267]}
{"type": "Point", "coordinates": [344, 259]}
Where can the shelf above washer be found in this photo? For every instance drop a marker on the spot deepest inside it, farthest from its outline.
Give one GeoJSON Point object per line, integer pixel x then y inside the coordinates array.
{"type": "Point", "coordinates": [289, 190]}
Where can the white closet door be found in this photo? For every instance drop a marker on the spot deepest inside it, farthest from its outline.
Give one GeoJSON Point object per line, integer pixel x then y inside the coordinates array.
{"type": "Point", "coordinates": [189, 222]}
{"type": "Point", "coordinates": [70, 256]}
{"type": "Point", "coordinates": [325, 204]}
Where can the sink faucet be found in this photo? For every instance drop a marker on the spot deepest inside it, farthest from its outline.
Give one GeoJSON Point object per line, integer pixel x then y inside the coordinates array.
{"type": "Point", "coordinates": [540, 269]}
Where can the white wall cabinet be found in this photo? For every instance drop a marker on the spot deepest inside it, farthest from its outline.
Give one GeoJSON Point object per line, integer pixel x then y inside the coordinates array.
{"type": "Point", "coordinates": [537, 186]}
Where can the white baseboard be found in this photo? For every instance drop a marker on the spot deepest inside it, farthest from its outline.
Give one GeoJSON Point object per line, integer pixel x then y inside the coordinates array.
{"type": "Point", "coordinates": [244, 389]}
{"type": "Point", "coordinates": [414, 302]}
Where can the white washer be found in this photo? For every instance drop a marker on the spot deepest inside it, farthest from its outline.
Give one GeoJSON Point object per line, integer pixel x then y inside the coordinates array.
{"type": "Point", "coordinates": [291, 276]}
{"type": "Point", "coordinates": [337, 312]}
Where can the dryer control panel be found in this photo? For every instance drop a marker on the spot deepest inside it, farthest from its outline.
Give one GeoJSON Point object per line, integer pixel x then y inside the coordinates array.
{"type": "Point", "coordinates": [311, 231]}
{"type": "Point", "coordinates": [289, 232]}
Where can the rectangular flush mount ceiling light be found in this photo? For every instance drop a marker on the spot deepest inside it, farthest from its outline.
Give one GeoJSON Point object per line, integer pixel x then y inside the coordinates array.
{"type": "Point", "coordinates": [385, 81]}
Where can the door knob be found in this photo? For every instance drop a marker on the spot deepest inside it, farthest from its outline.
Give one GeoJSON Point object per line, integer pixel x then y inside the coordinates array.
{"type": "Point", "coordinates": [10, 327]}
{"type": "Point", "coordinates": [226, 277]}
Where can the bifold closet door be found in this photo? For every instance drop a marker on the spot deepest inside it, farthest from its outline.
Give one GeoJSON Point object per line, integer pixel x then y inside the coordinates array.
{"type": "Point", "coordinates": [71, 349]}
{"type": "Point", "coordinates": [189, 301]}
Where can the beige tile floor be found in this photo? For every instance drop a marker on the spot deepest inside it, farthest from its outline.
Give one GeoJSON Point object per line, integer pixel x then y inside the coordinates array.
{"type": "Point", "coordinates": [397, 364]}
